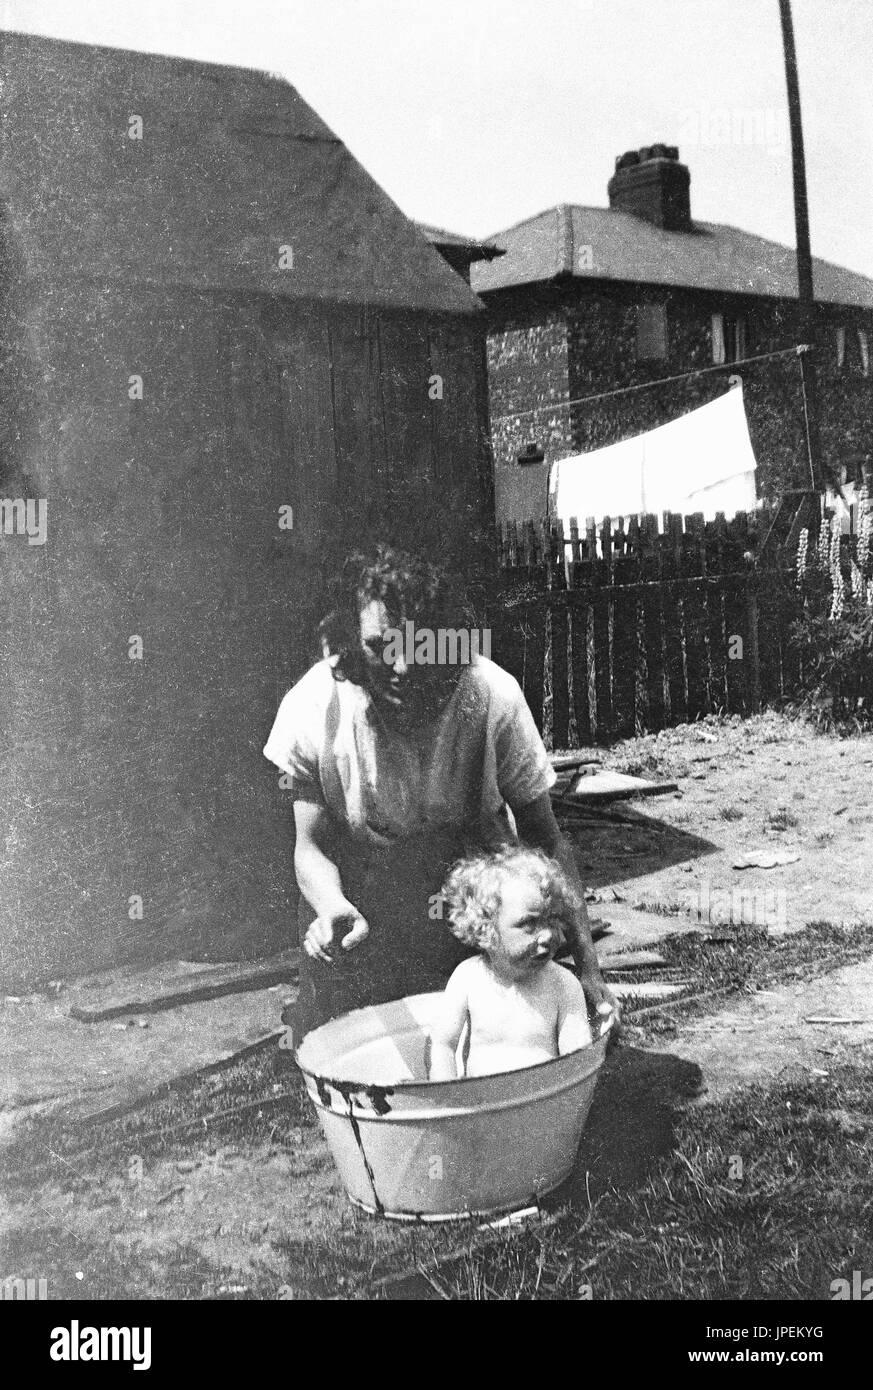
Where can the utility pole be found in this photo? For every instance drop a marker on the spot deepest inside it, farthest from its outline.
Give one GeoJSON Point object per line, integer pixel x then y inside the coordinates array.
{"type": "Point", "coordinates": [808, 324]}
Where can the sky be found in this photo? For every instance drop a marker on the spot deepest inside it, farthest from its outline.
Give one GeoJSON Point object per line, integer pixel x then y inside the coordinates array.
{"type": "Point", "coordinates": [474, 114]}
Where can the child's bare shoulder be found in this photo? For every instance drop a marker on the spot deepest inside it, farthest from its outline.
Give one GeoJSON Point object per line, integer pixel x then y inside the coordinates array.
{"type": "Point", "coordinates": [572, 993]}
{"type": "Point", "coordinates": [465, 974]}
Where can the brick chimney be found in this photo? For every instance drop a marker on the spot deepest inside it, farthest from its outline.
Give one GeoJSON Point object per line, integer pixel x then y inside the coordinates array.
{"type": "Point", "coordinates": [652, 184]}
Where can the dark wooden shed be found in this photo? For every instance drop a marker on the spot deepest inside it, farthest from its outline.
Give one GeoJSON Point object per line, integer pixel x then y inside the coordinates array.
{"type": "Point", "coordinates": [209, 312]}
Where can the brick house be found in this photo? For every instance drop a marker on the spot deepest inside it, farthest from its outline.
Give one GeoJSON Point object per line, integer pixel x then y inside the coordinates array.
{"type": "Point", "coordinates": [587, 300]}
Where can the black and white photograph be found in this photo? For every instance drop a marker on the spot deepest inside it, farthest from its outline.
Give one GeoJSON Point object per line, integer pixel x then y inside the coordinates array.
{"type": "Point", "coordinates": [436, 666]}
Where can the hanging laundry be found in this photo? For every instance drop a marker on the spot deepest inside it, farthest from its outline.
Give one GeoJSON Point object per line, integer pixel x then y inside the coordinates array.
{"type": "Point", "coordinates": [702, 462]}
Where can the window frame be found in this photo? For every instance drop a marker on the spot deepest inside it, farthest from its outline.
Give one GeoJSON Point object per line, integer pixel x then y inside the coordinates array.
{"type": "Point", "coordinates": [656, 333]}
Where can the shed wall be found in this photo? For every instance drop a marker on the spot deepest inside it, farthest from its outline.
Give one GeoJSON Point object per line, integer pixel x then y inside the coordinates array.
{"type": "Point", "coordinates": [127, 778]}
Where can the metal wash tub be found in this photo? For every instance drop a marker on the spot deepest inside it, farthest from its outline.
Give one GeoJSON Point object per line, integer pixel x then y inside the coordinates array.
{"type": "Point", "coordinates": [413, 1149]}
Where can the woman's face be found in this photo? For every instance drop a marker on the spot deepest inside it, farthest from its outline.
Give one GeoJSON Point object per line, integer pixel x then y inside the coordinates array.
{"type": "Point", "coordinates": [408, 694]}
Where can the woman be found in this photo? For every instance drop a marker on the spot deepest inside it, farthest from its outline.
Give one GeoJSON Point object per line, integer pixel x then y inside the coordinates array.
{"type": "Point", "coordinates": [397, 768]}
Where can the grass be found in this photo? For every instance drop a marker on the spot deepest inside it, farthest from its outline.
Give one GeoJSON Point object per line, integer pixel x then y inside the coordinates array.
{"type": "Point", "coordinates": [743, 959]}
{"type": "Point", "coordinates": [730, 813]}
{"type": "Point", "coordinates": [657, 907]}
{"type": "Point", "coordinates": [797, 1218]}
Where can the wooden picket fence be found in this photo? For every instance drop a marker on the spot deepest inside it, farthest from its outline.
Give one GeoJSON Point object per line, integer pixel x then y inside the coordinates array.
{"type": "Point", "coordinates": [620, 628]}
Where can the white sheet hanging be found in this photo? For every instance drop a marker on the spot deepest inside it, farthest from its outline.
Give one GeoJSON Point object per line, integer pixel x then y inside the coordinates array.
{"type": "Point", "coordinates": [702, 462]}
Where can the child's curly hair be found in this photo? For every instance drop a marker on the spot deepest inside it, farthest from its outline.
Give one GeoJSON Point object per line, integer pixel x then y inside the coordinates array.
{"type": "Point", "coordinates": [472, 892]}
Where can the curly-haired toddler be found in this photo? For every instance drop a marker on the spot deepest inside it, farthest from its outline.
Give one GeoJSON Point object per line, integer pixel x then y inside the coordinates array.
{"type": "Point", "coordinates": [520, 1006]}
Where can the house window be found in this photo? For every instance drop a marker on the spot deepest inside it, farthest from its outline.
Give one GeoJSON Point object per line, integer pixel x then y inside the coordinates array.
{"type": "Point", "coordinates": [651, 332]}
{"type": "Point", "coordinates": [728, 338]}
{"type": "Point", "coordinates": [853, 350]}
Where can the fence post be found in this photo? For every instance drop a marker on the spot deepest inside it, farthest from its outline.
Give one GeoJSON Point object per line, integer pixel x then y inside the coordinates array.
{"type": "Point", "coordinates": [578, 618]}
{"type": "Point", "coordinates": [674, 617]}
{"type": "Point", "coordinates": [751, 654]}
{"type": "Point", "coordinates": [625, 655]}
{"type": "Point", "coordinates": [602, 635]}
{"type": "Point", "coordinates": [696, 645]}
{"type": "Point", "coordinates": [575, 554]}
{"type": "Point", "coordinates": [754, 655]}
{"type": "Point", "coordinates": [560, 669]}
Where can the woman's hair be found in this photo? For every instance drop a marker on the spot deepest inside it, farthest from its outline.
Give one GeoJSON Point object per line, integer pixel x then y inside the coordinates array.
{"type": "Point", "coordinates": [472, 892]}
{"type": "Point", "coordinates": [407, 584]}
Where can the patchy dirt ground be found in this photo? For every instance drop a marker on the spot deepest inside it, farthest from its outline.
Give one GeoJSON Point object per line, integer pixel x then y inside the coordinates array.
{"type": "Point", "coordinates": [793, 1032]}
{"type": "Point", "coordinates": [766, 783]}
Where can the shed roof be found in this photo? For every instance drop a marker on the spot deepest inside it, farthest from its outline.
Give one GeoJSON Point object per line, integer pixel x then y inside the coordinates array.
{"type": "Point", "coordinates": [606, 244]}
{"type": "Point", "coordinates": [232, 166]}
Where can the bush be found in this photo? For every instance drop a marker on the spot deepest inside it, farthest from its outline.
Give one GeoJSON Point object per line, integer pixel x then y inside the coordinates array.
{"type": "Point", "coordinates": [834, 637]}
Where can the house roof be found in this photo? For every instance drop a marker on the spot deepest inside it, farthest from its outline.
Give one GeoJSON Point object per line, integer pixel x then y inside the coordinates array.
{"type": "Point", "coordinates": [232, 166]}
{"type": "Point", "coordinates": [623, 247]}
{"type": "Point", "coordinates": [478, 250]}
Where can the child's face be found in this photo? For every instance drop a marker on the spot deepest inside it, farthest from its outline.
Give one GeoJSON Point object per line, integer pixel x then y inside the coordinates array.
{"type": "Point", "coordinates": [525, 939]}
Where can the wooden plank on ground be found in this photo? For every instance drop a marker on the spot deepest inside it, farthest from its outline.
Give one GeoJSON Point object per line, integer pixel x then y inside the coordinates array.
{"type": "Point", "coordinates": [175, 983]}
{"type": "Point", "coordinates": [647, 989]}
{"type": "Point", "coordinates": [632, 960]}
{"type": "Point", "coordinates": [564, 762]}
{"type": "Point", "coordinates": [612, 786]}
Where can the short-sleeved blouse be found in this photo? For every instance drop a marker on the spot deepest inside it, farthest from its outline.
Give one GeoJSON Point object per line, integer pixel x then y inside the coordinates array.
{"type": "Point", "coordinates": [483, 752]}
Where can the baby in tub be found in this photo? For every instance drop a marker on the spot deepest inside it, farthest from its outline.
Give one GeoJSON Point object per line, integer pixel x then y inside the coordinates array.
{"type": "Point", "coordinates": [521, 1008]}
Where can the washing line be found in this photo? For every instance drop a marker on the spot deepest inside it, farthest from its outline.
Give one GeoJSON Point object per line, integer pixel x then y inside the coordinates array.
{"type": "Point", "coordinates": [657, 381]}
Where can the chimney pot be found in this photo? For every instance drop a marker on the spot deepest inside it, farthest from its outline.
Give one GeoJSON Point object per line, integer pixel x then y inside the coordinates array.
{"type": "Point", "coordinates": [652, 184]}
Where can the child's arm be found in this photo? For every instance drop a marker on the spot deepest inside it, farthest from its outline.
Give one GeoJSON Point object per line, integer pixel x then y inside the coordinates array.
{"type": "Point", "coordinates": [573, 1028]}
{"type": "Point", "coordinates": [446, 1030]}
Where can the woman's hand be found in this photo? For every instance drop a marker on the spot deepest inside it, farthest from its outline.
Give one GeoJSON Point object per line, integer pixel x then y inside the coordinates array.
{"type": "Point", "coordinates": [339, 924]}
{"type": "Point", "coordinates": [602, 1005]}
{"type": "Point", "coordinates": [342, 928]}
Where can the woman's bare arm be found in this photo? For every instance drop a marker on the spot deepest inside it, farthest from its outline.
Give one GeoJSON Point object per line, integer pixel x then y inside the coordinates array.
{"type": "Point", "coordinates": [318, 878]}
